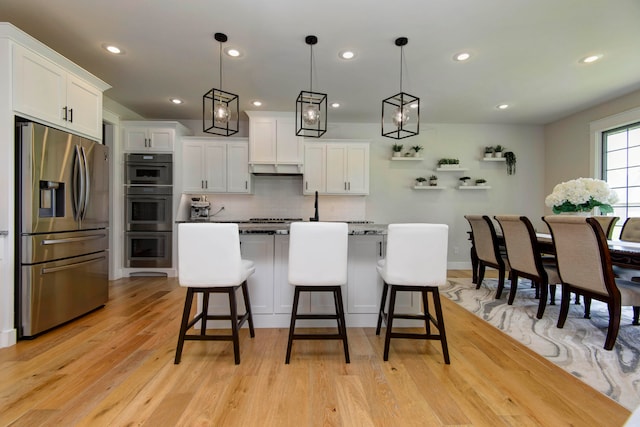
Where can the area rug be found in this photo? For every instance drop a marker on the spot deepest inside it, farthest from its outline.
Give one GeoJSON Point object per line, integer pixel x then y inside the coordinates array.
{"type": "Point", "coordinates": [577, 348]}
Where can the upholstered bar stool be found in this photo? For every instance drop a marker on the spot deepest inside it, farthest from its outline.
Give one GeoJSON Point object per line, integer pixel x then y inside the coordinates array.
{"type": "Point", "coordinates": [318, 263]}
{"type": "Point", "coordinates": [209, 262]}
{"type": "Point", "coordinates": [416, 261]}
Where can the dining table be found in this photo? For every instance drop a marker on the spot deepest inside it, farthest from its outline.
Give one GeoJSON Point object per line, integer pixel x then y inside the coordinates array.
{"type": "Point", "coordinates": [623, 253]}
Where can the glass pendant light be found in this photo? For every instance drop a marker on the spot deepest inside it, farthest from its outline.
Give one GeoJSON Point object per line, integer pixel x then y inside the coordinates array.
{"type": "Point", "coordinates": [220, 115]}
{"type": "Point", "coordinates": [311, 107]}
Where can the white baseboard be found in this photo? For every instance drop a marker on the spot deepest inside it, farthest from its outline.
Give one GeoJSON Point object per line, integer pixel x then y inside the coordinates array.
{"type": "Point", "coordinates": [8, 338]}
{"type": "Point", "coordinates": [466, 265]}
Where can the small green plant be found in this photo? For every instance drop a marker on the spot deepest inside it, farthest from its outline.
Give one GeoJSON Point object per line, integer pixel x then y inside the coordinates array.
{"type": "Point", "coordinates": [480, 181]}
{"type": "Point", "coordinates": [433, 178]}
{"type": "Point", "coordinates": [417, 148]}
{"type": "Point", "coordinates": [421, 179]}
{"type": "Point", "coordinates": [465, 178]}
{"type": "Point", "coordinates": [498, 148]}
{"type": "Point", "coordinates": [397, 148]}
{"type": "Point", "coordinates": [488, 150]}
{"type": "Point", "coordinates": [448, 162]}
{"type": "Point", "coordinates": [510, 158]}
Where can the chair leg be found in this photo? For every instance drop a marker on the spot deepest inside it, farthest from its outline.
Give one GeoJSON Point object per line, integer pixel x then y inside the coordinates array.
{"type": "Point", "coordinates": [564, 306]}
{"type": "Point", "coordinates": [205, 312]}
{"type": "Point", "coordinates": [387, 338]}
{"type": "Point", "coordinates": [233, 307]}
{"type": "Point", "coordinates": [614, 326]}
{"type": "Point", "coordinates": [292, 326]}
{"type": "Point", "coordinates": [425, 305]}
{"type": "Point", "coordinates": [544, 287]}
{"type": "Point", "coordinates": [440, 319]}
{"type": "Point", "coordinates": [342, 326]}
{"type": "Point", "coordinates": [381, 314]}
{"type": "Point", "coordinates": [183, 325]}
{"type": "Point", "coordinates": [501, 277]}
{"type": "Point", "coordinates": [587, 306]}
{"type": "Point", "coordinates": [552, 295]}
{"type": "Point", "coordinates": [514, 287]}
{"type": "Point", "coordinates": [247, 305]}
{"type": "Point", "coordinates": [636, 314]}
{"type": "Point", "coordinates": [481, 269]}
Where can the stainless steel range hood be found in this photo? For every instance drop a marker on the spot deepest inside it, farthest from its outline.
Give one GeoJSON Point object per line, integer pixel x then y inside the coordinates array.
{"type": "Point", "coordinates": [269, 169]}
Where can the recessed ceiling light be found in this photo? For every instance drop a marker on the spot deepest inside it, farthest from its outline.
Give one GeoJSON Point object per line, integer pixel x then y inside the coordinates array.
{"type": "Point", "coordinates": [256, 103]}
{"type": "Point", "coordinates": [462, 56]}
{"type": "Point", "coordinates": [177, 101]}
{"type": "Point", "coordinates": [502, 106]}
{"type": "Point", "coordinates": [232, 52]}
{"type": "Point", "coordinates": [335, 105]}
{"type": "Point", "coordinates": [346, 54]}
{"type": "Point", "coordinates": [590, 59]}
{"type": "Point", "coordinates": [112, 49]}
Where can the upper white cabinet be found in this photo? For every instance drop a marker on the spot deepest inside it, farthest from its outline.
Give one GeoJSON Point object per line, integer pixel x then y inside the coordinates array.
{"type": "Point", "coordinates": [211, 165]}
{"type": "Point", "coordinates": [146, 137]}
{"type": "Point", "coordinates": [273, 144]}
{"type": "Point", "coordinates": [48, 92]}
{"type": "Point", "coordinates": [337, 167]}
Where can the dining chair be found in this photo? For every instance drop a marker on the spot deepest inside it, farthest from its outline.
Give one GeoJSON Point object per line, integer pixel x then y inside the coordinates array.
{"type": "Point", "coordinates": [584, 266]}
{"type": "Point", "coordinates": [318, 263]}
{"type": "Point", "coordinates": [209, 262]}
{"type": "Point", "coordinates": [485, 242]}
{"type": "Point", "coordinates": [526, 261]}
{"type": "Point", "coordinates": [607, 223]}
{"type": "Point", "coordinates": [415, 261]}
{"type": "Point", "coordinates": [631, 230]}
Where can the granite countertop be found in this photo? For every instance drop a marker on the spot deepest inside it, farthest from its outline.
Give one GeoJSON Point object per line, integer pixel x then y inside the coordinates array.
{"type": "Point", "coordinates": [283, 228]}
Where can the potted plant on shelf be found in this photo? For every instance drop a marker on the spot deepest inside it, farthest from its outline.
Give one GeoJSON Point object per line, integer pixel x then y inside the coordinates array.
{"type": "Point", "coordinates": [448, 163]}
{"type": "Point", "coordinates": [497, 151]}
{"type": "Point", "coordinates": [481, 181]}
{"type": "Point", "coordinates": [464, 179]}
{"type": "Point", "coordinates": [488, 152]}
{"type": "Point", "coordinates": [397, 150]}
{"type": "Point", "coordinates": [420, 181]}
{"type": "Point", "coordinates": [416, 150]}
{"type": "Point", "coordinates": [433, 180]}
{"type": "Point", "coordinates": [510, 158]}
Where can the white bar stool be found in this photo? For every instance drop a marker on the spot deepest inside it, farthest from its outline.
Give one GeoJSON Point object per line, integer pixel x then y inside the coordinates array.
{"type": "Point", "coordinates": [209, 262]}
{"type": "Point", "coordinates": [416, 261]}
{"type": "Point", "coordinates": [318, 263]}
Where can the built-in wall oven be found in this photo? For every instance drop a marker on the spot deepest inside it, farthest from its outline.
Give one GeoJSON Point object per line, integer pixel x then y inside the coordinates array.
{"type": "Point", "coordinates": [148, 210]}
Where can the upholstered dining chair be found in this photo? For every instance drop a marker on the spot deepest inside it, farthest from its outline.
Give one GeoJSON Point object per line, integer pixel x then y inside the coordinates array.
{"type": "Point", "coordinates": [318, 263]}
{"type": "Point", "coordinates": [607, 223]}
{"type": "Point", "coordinates": [415, 261]}
{"type": "Point", "coordinates": [631, 230]}
{"type": "Point", "coordinates": [584, 265]}
{"type": "Point", "coordinates": [485, 242]}
{"type": "Point", "coordinates": [525, 259]}
{"type": "Point", "coordinates": [209, 262]}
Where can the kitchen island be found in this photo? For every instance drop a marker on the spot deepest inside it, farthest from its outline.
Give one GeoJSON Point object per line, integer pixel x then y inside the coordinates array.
{"type": "Point", "coordinates": [272, 295]}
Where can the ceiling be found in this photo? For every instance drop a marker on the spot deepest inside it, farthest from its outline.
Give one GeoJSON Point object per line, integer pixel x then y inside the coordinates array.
{"type": "Point", "coordinates": [524, 53]}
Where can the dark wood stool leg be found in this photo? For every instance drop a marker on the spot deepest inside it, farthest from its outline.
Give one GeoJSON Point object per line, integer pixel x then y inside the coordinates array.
{"type": "Point", "coordinates": [233, 308]}
{"type": "Point", "coordinates": [342, 326]}
{"type": "Point", "coordinates": [425, 307]}
{"type": "Point", "coordinates": [247, 304]}
{"type": "Point", "coordinates": [183, 326]}
{"type": "Point", "coordinates": [205, 312]}
{"type": "Point", "coordinates": [440, 318]}
{"type": "Point", "coordinates": [381, 314]}
{"type": "Point", "coordinates": [292, 326]}
{"type": "Point", "coordinates": [387, 338]}
{"type": "Point", "coordinates": [636, 314]}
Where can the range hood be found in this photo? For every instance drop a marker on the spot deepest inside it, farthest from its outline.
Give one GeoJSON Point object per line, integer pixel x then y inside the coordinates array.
{"type": "Point", "coordinates": [269, 169]}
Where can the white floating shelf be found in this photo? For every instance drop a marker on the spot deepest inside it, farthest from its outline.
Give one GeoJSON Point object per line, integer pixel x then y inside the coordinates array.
{"type": "Point", "coordinates": [494, 159]}
{"type": "Point", "coordinates": [451, 169]}
{"type": "Point", "coordinates": [428, 187]}
{"type": "Point", "coordinates": [474, 187]}
{"type": "Point", "coordinates": [408, 158]}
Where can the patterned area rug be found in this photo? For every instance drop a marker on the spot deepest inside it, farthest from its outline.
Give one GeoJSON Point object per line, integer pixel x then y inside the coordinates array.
{"type": "Point", "coordinates": [577, 348]}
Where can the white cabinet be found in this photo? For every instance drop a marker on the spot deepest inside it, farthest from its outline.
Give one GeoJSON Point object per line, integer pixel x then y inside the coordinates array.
{"type": "Point", "coordinates": [274, 146]}
{"type": "Point", "coordinates": [365, 284]}
{"type": "Point", "coordinates": [48, 92]}
{"type": "Point", "coordinates": [211, 165]}
{"type": "Point", "coordinates": [342, 168]}
{"type": "Point", "coordinates": [143, 138]}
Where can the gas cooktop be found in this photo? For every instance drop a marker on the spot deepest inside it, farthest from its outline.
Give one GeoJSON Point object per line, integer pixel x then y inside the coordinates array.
{"type": "Point", "coordinates": [273, 220]}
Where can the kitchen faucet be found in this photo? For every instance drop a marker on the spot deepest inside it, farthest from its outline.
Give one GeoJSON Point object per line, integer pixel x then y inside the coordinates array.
{"type": "Point", "coordinates": [315, 216]}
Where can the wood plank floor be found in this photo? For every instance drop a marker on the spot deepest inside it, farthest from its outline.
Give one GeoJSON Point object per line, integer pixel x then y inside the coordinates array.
{"type": "Point", "coordinates": [114, 367]}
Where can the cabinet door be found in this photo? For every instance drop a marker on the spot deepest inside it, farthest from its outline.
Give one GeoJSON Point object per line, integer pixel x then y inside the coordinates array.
{"type": "Point", "coordinates": [262, 140]}
{"type": "Point", "coordinates": [161, 139]}
{"type": "Point", "coordinates": [259, 249]}
{"type": "Point", "coordinates": [365, 284]}
{"type": "Point", "coordinates": [215, 167]}
{"type": "Point", "coordinates": [336, 169]}
{"type": "Point", "coordinates": [315, 173]}
{"type": "Point", "coordinates": [84, 104]}
{"type": "Point", "coordinates": [290, 147]}
{"type": "Point", "coordinates": [39, 87]}
{"type": "Point", "coordinates": [136, 139]}
{"type": "Point", "coordinates": [192, 167]}
{"type": "Point", "coordinates": [358, 168]}
{"type": "Point", "coordinates": [238, 178]}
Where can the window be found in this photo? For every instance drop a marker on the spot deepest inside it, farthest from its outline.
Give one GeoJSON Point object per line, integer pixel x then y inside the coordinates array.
{"type": "Point", "coordinates": [621, 169]}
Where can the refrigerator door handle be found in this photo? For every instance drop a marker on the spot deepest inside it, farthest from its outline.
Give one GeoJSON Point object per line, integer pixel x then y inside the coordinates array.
{"type": "Point", "coordinates": [77, 192]}
{"type": "Point", "coordinates": [70, 266]}
{"type": "Point", "coordinates": [73, 239]}
{"type": "Point", "coordinates": [87, 182]}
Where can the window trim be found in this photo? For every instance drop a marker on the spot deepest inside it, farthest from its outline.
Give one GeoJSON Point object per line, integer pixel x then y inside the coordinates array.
{"type": "Point", "coordinates": [598, 127]}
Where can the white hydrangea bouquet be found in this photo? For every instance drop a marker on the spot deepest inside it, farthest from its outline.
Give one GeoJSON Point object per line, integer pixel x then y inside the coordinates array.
{"type": "Point", "coordinates": [581, 195]}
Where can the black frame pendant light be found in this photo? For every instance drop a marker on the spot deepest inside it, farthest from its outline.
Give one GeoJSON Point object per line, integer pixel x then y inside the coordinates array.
{"type": "Point", "coordinates": [311, 107]}
{"type": "Point", "coordinates": [220, 113]}
{"type": "Point", "coordinates": [398, 111]}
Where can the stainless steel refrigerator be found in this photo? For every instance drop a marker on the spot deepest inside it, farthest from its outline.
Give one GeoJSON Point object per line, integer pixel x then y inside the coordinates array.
{"type": "Point", "coordinates": [63, 217]}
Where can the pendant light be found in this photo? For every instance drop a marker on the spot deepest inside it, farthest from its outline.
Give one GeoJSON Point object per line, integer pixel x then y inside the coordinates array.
{"type": "Point", "coordinates": [401, 112]}
{"type": "Point", "coordinates": [311, 107]}
{"type": "Point", "coordinates": [220, 115]}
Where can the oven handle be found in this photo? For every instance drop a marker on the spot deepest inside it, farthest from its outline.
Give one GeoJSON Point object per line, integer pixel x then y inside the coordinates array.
{"type": "Point", "coordinates": [73, 239]}
{"type": "Point", "coordinates": [70, 266]}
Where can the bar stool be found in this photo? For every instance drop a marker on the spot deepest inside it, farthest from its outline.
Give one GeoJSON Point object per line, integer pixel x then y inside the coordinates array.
{"type": "Point", "coordinates": [209, 262]}
{"type": "Point", "coordinates": [416, 261]}
{"type": "Point", "coordinates": [318, 263]}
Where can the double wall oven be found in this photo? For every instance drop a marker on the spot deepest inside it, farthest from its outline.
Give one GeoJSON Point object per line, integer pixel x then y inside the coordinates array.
{"type": "Point", "coordinates": [148, 210]}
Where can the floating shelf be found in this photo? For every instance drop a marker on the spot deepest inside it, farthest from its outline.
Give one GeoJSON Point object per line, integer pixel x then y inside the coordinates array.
{"type": "Point", "coordinates": [451, 169]}
{"type": "Point", "coordinates": [494, 159]}
{"type": "Point", "coordinates": [428, 187]}
{"type": "Point", "coordinates": [408, 158]}
{"type": "Point", "coordinates": [474, 187]}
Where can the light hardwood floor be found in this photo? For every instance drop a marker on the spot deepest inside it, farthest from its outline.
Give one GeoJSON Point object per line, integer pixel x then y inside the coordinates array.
{"type": "Point", "coordinates": [114, 367]}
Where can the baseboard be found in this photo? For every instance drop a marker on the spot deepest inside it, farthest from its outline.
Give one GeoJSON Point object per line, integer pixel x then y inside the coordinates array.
{"type": "Point", "coordinates": [465, 265]}
{"type": "Point", "coordinates": [8, 338]}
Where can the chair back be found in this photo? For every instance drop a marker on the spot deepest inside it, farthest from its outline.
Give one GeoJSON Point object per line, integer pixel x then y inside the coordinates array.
{"type": "Point", "coordinates": [631, 230]}
{"type": "Point", "coordinates": [209, 255]}
{"type": "Point", "coordinates": [318, 253]}
{"type": "Point", "coordinates": [582, 253]}
{"type": "Point", "coordinates": [484, 238]}
{"type": "Point", "coordinates": [520, 242]}
{"type": "Point", "coordinates": [416, 255]}
{"type": "Point", "coordinates": [607, 223]}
